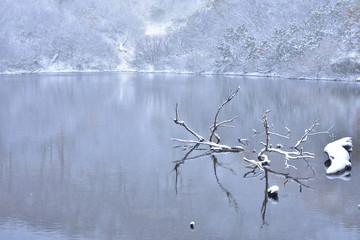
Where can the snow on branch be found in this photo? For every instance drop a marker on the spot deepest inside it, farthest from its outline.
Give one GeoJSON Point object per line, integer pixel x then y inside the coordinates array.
{"type": "Point", "coordinates": [182, 123]}
{"type": "Point", "coordinates": [214, 146]}
{"type": "Point", "coordinates": [289, 155]}
{"type": "Point", "coordinates": [259, 166]}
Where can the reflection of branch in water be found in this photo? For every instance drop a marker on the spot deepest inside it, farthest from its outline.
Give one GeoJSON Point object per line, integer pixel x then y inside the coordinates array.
{"type": "Point", "coordinates": [187, 157]}
{"type": "Point", "coordinates": [216, 163]}
{"type": "Point", "coordinates": [179, 162]}
{"type": "Point", "coordinates": [265, 201]}
{"type": "Point", "coordinates": [256, 171]}
{"type": "Point", "coordinates": [232, 200]}
{"type": "Point", "coordinates": [287, 176]}
{"type": "Point", "coordinates": [297, 180]}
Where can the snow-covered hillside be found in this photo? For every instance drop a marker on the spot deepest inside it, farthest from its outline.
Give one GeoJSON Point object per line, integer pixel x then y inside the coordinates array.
{"type": "Point", "coordinates": [311, 39]}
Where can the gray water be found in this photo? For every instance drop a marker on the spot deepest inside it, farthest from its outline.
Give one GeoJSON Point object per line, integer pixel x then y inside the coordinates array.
{"type": "Point", "coordinates": [90, 156]}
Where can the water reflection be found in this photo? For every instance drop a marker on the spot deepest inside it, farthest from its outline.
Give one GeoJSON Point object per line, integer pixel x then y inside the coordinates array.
{"type": "Point", "coordinates": [89, 156]}
{"type": "Point", "coordinates": [258, 167]}
{"type": "Point", "coordinates": [232, 200]}
{"type": "Point", "coordinates": [254, 172]}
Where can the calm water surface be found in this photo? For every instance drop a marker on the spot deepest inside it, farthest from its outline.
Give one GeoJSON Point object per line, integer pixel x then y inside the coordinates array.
{"type": "Point", "coordinates": [89, 156]}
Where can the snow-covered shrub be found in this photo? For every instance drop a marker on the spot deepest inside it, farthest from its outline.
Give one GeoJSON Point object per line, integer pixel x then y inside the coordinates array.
{"type": "Point", "coordinates": [237, 48]}
{"type": "Point", "coordinates": [287, 48]}
{"type": "Point", "coordinates": [152, 53]}
{"type": "Point", "coordinates": [354, 15]}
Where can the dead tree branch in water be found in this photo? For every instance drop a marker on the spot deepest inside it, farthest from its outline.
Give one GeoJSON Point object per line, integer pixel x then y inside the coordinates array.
{"type": "Point", "coordinates": [310, 132]}
{"type": "Point", "coordinates": [289, 155]}
{"type": "Point", "coordinates": [260, 166]}
{"type": "Point", "coordinates": [214, 146]}
{"type": "Point", "coordinates": [182, 123]}
{"type": "Point", "coordinates": [216, 125]}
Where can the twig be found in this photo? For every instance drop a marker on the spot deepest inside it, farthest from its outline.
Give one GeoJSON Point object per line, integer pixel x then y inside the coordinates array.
{"type": "Point", "coordinates": [279, 135]}
{"type": "Point", "coordinates": [266, 126]}
{"type": "Point", "coordinates": [243, 141]}
{"type": "Point", "coordinates": [221, 124]}
{"type": "Point", "coordinates": [306, 134]}
{"type": "Point", "coordinates": [215, 124]}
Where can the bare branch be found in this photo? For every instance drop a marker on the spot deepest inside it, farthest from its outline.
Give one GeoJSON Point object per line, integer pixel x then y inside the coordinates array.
{"type": "Point", "coordinates": [224, 122]}
{"type": "Point", "coordinates": [215, 124]}
{"type": "Point", "coordinates": [279, 135]}
{"type": "Point", "coordinates": [299, 154]}
{"type": "Point", "coordinates": [287, 129]}
{"type": "Point", "coordinates": [218, 139]}
{"type": "Point", "coordinates": [306, 134]}
{"type": "Point", "coordinates": [266, 126]}
{"type": "Point", "coordinates": [221, 124]}
{"type": "Point", "coordinates": [182, 123]}
{"type": "Point", "coordinates": [324, 132]}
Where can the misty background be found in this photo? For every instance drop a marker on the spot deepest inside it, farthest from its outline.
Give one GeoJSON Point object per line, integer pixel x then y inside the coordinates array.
{"type": "Point", "coordinates": [300, 39]}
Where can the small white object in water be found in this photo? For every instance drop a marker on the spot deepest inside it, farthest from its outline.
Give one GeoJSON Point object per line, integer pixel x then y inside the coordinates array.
{"type": "Point", "coordinates": [273, 192]}
{"type": "Point", "coordinates": [339, 155]}
{"type": "Point", "coordinates": [192, 225]}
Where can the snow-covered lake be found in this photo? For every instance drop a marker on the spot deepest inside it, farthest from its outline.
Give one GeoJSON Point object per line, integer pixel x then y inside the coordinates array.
{"type": "Point", "coordinates": [90, 156]}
